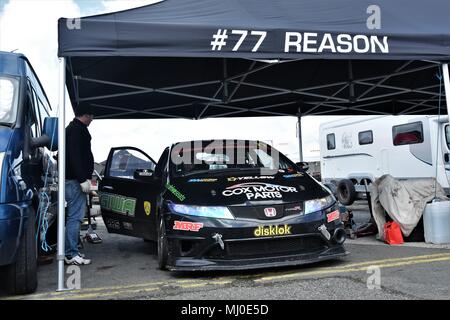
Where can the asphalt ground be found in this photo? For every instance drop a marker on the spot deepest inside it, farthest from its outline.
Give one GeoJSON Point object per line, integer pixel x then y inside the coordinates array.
{"type": "Point", "coordinates": [126, 268]}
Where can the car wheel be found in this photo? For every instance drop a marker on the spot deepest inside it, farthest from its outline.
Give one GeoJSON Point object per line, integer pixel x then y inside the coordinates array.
{"type": "Point", "coordinates": [21, 276]}
{"type": "Point", "coordinates": [346, 192]}
{"type": "Point", "coordinates": [162, 245]}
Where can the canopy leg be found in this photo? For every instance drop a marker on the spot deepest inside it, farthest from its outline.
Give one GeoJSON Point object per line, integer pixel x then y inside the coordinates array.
{"type": "Point", "coordinates": [300, 141]}
{"type": "Point", "coordinates": [447, 86]}
{"type": "Point", "coordinates": [61, 174]}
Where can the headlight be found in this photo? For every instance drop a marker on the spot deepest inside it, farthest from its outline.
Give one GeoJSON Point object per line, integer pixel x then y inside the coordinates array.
{"type": "Point", "coordinates": [199, 211]}
{"type": "Point", "coordinates": [318, 204]}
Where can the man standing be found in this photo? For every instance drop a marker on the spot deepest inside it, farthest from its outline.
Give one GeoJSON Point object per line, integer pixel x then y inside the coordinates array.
{"type": "Point", "coordinates": [79, 168]}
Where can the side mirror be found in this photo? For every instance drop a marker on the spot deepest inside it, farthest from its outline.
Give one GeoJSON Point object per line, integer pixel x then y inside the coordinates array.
{"type": "Point", "coordinates": [303, 165]}
{"type": "Point", "coordinates": [49, 137]}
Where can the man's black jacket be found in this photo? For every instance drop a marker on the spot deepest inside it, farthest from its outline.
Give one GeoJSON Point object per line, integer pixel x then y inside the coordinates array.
{"type": "Point", "coordinates": [79, 158]}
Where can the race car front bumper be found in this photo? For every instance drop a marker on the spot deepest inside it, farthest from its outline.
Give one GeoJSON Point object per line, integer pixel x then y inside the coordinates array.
{"type": "Point", "coordinates": [241, 244]}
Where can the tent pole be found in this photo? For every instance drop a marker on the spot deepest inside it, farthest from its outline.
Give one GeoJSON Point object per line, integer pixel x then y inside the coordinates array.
{"type": "Point", "coordinates": [61, 173]}
{"type": "Point", "coordinates": [447, 86]}
{"type": "Point", "coordinates": [300, 141]}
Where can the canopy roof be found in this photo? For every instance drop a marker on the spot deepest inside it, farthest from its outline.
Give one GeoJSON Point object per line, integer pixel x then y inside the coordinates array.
{"type": "Point", "coordinates": [213, 58]}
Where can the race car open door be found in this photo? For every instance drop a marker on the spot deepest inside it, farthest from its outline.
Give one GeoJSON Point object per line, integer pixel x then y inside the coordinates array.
{"type": "Point", "coordinates": [128, 193]}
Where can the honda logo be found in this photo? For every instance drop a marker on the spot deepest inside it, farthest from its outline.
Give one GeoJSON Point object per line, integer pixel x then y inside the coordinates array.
{"type": "Point", "coordinates": [270, 212]}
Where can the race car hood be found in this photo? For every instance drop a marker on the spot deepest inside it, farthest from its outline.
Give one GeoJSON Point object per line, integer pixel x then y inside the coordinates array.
{"type": "Point", "coordinates": [243, 189]}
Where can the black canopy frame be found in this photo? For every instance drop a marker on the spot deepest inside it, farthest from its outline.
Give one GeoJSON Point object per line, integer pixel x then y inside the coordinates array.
{"type": "Point", "coordinates": [198, 59]}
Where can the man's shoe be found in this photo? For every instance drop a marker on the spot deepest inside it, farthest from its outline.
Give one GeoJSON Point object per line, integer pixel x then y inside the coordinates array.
{"type": "Point", "coordinates": [77, 260]}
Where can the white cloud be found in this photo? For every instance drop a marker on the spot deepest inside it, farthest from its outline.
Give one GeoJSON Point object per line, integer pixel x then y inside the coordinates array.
{"type": "Point", "coordinates": [118, 5]}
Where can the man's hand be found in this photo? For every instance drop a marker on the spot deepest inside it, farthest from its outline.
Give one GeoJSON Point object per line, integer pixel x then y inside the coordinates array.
{"type": "Point", "coordinates": [86, 186]}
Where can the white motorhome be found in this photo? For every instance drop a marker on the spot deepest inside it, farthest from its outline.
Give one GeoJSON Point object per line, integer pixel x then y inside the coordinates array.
{"type": "Point", "coordinates": [357, 150]}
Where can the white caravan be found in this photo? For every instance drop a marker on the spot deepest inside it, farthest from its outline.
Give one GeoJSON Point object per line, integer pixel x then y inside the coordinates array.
{"type": "Point", "coordinates": [357, 150]}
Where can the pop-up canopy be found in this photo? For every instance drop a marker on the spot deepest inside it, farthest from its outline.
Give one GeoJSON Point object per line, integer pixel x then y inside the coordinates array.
{"type": "Point", "coordinates": [212, 58]}
{"type": "Point", "coordinates": [218, 58]}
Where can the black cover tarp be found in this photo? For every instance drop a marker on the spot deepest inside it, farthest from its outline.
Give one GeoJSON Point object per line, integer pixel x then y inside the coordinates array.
{"type": "Point", "coordinates": [158, 50]}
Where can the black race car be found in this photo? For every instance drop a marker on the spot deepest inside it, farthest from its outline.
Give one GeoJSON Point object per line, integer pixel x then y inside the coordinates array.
{"type": "Point", "coordinates": [221, 205]}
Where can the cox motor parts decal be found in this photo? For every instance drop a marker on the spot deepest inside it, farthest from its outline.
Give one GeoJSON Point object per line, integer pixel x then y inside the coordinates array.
{"type": "Point", "coordinates": [258, 190]}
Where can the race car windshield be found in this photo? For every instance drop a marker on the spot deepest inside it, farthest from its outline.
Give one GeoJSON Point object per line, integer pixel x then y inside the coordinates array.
{"type": "Point", "coordinates": [8, 99]}
{"type": "Point", "coordinates": [217, 157]}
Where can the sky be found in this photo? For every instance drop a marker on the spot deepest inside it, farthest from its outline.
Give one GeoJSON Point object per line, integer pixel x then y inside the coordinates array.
{"type": "Point", "coordinates": [30, 27]}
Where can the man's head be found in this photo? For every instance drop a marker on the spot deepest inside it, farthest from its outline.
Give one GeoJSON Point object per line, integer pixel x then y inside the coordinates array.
{"type": "Point", "coordinates": [84, 115]}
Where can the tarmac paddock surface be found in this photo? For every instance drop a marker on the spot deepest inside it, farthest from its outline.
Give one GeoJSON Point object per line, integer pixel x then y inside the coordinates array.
{"type": "Point", "coordinates": [126, 268]}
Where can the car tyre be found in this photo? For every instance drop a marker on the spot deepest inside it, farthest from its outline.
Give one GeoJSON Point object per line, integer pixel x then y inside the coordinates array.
{"type": "Point", "coordinates": [346, 192]}
{"type": "Point", "coordinates": [163, 252]}
{"type": "Point", "coordinates": [21, 276]}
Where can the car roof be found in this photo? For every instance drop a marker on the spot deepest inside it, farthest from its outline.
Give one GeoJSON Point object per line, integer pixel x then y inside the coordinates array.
{"type": "Point", "coordinates": [212, 140]}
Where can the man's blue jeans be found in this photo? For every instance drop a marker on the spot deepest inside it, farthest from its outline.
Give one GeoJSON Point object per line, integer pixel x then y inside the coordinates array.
{"type": "Point", "coordinates": [76, 208]}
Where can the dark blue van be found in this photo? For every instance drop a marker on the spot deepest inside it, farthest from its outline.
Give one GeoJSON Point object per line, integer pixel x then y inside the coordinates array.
{"type": "Point", "coordinates": [27, 171]}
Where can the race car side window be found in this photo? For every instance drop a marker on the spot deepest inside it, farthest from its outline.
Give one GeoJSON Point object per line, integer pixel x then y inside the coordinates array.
{"type": "Point", "coordinates": [125, 162]}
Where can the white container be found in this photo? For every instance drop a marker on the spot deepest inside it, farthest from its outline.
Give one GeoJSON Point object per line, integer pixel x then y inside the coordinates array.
{"type": "Point", "coordinates": [436, 222]}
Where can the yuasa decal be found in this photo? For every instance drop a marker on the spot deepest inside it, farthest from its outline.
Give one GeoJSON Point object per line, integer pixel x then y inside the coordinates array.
{"type": "Point", "coordinates": [258, 190]}
{"type": "Point", "coordinates": [175, 192]}
{"type": "Point", "coordinates": [272, 231]}
{"type": "Point", "coordinates": [202, 180]}
{"type": "Point", "coordinates": [118, 204]}
{"type": "Point", "coordinates": [234, 179]}
{"type": "Point", "coordinates": [294, 175]}
{"type": "Point", "coordinates": [335, 215]}
{"type": "Point", "coordinates": [270, 212]}
{"type": "Point", "coordinates": [187, 226]}
{"type": "Point", "coordinates": [147, 207]}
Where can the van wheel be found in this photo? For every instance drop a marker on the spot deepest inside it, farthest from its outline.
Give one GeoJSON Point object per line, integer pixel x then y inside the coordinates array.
{"type": "Point", "coordinates": [346, 192]}
{"type": "Point", "coordinates": [21, 276]}
{"type": "Point", "coordinates": [163, 252]}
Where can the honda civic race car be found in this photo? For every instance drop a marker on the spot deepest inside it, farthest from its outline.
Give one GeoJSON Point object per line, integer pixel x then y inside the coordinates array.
{"type": "Point", "coordinates": [235, 204]}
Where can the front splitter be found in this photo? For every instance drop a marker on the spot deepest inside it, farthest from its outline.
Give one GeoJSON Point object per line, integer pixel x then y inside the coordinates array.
{"type": "Point", "coordinates": [192, 264]}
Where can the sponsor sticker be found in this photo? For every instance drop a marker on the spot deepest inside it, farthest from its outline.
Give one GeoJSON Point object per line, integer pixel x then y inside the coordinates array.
{"type": "Point", "coordinates": [294, 175]}
{"type": "Point", "coordinates": [112, 224]}
{"type": "Point", "coordinates": [147, 207]}
{"type": "Point", "coordinates": [294, 208]}
{"type": "Point", "coordinates": [187, 226]}
{"type": "Point", "coordinates": [234, 179]}
{"type": "Point", "coordinates": [272, 231]}
{"type": "Point", "coordinates": [127, 226]}
{"type": "Point", "coordinates": [202, 180]}
{"type": "Point", "coordinates": [118, 204]}
{"type": "Point", "coordinates": [335, 215]}
{"type": "Point", "coordinates": [175, 192]}
{"type": "Point", "coordinates": [258, 190]}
